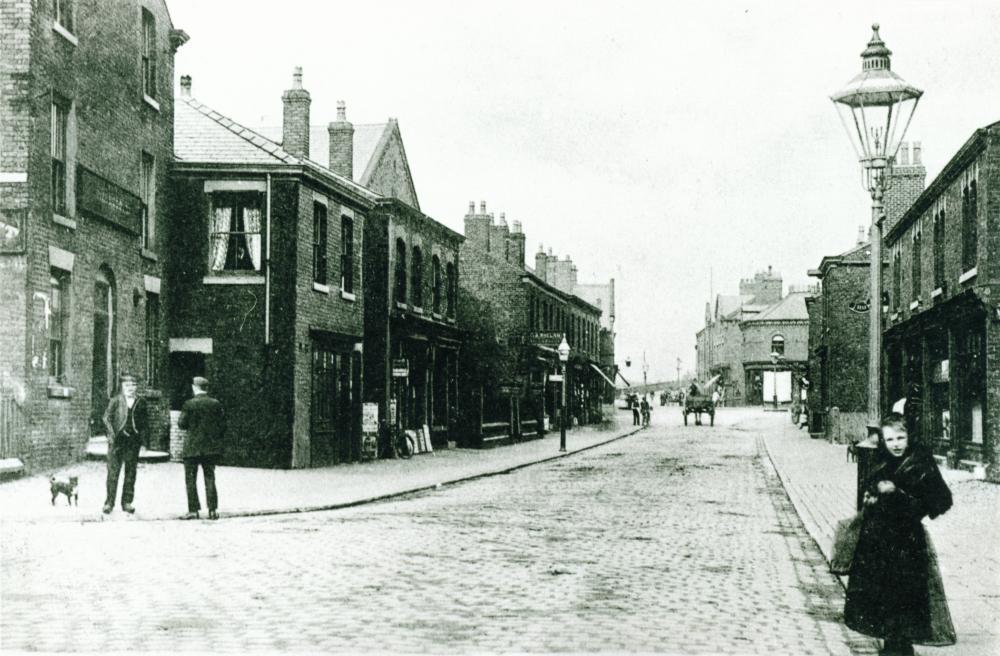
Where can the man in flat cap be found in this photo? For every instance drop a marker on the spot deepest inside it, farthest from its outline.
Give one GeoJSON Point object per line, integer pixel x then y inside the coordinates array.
{"type": "Point", "coordinates": [205, 422]}
{"type": "Point", "coordinates": [127, 421]}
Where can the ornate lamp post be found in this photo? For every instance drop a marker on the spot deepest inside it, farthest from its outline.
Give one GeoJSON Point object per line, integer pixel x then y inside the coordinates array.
{"type": "Point", "coordinates": [775, 357]}
{"type": "Point", "coordinates": [876, 107]}
{"type": "Point", "coordinates": [564, 358]}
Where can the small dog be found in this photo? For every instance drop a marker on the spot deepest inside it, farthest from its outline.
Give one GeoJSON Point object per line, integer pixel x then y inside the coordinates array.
{"type": "Point", "coordinates": [852, 451]}
{"type": "Point", "coordinates": [65, 486]}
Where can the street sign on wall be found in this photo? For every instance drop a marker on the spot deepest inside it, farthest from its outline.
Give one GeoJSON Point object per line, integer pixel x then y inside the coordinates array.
{"type": "Point", "coordinates": [400, 368]}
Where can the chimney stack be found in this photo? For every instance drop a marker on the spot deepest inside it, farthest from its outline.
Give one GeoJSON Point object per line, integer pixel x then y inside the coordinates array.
{"type": "Point", "coordinates": [185, 86]}
{"type": "Point", "coordinates": [342, 143]}
{"type": "Point", "coordinates": [295, 120]}
{"type": "Point", "coordinates": [541, 263]}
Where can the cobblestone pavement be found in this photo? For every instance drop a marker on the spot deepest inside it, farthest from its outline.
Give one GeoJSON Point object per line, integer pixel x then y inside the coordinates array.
{"type": "Point", "coordinates": [676, 540]}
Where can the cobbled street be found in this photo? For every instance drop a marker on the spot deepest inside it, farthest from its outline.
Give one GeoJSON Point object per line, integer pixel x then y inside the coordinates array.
{"type": "Point", "coordinates": [677, 540]}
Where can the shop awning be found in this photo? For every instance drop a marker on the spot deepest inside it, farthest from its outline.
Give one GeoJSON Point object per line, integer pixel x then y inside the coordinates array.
{"type": "Point", "coordinates": [598, 370]}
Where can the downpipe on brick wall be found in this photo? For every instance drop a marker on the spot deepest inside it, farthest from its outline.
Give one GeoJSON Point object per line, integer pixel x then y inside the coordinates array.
{"type": "Point", "coordinates": [267, 267]}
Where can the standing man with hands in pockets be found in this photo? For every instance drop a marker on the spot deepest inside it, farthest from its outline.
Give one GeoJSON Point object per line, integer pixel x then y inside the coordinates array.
{"type": "Point", "coordinates": [205, 422]}
{"type": "Point", "coordinates": [126, 420]}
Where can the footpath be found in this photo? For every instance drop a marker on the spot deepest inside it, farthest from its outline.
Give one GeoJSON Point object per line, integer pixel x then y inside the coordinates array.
{"type": "Point", "coordinates": [160, 495]}
{"type": "Point", "coordinates": [822, 486]}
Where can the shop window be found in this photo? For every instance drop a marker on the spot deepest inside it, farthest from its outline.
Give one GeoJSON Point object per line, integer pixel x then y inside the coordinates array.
{"type": "Point", "coordinates": [235, 232]}
{"type": "Point", "coordinates": [319, 243]}
{"type": "Point", "coordinates": [58, 324]}
{"type": "Point", "coordinates": [916, 265]}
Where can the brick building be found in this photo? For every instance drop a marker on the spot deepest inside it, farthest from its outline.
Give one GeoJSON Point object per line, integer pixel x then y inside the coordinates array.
{"type": "Point", "coordinates": [411, 286]}
{"type": "Point", "coordinates": [264, 285]}
{"type": "Point", "coordinates": [719, 344]}
{"type": "Point", "coordinates": [838, 394]}
{"type": "Point", "coordinates": [86, 130]}
{"type": "Point", "coordinates": [515, 320]}
{"type": "Point", "coordinates": [942, 335]}
{"type": "Point", "coordinates": [775, 351]}
{"type": "Point", "coordinates": [602, 296]}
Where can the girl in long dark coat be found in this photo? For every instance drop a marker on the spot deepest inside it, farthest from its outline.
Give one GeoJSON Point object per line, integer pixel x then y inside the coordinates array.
{"type": "Point", "coordinates": [894, 591]}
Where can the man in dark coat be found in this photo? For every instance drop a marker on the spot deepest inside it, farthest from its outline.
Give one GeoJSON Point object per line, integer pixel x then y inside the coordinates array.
{"type": "Point", "coordinates": [205, 422]}
{"type": "Point", "coordinates": [127, 421]}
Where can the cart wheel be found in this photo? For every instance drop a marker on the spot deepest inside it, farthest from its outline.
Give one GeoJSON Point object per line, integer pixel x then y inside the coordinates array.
{"type": "Point", "coordinates": [685, 419]}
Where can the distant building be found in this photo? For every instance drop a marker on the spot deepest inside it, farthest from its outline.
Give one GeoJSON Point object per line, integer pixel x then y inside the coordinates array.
{"type": "Point", "coordinates": [775, 351]}
{"type": "Point", "coordinates": [942, 334]}
{"type": "Point", "coordinates": [514, 321]}
{"type": "Point", "coordinates": [86, 137]}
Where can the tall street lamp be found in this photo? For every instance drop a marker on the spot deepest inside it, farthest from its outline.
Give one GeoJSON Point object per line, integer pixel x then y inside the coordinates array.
{"type": "Point", "coordinates": [564, 358]}
{"type": "Point", "coordinates": [775, 357]}
{"type": "Point", "coordinates": [872, 107]}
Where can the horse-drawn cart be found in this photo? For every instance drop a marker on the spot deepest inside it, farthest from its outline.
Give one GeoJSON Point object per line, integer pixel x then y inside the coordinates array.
{"type": "Point", "coordinates": [699, 400]}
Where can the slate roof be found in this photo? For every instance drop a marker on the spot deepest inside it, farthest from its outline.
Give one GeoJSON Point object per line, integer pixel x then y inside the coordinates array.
{"type": "Point", "coordinates": [790, 308]}
{"type": "Point", "coordinates": [729, 305]}
{"type": "Point", "coordinates": [202, 135]}
{"type": "Point", "coordinates": [367, 138]}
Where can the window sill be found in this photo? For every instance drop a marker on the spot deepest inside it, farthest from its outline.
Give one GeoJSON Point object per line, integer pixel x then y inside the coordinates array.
{"type": "Point", "coordinates": [59, 219]}
{"type": "Point", "coordinates": [348, 296]}
{"type": "Point", "coordinates": [968, 275]}
{"type": "Point", "coordinates": [64, 33]}
{"type": "Point", "coordinates": [914, 305]}
{"type": "Point", "coordinates": [937, 292]}
{"type": "Point", "coordinates": [417, 309]}
{"type": "Point", "coordinates": [436, 315]}
{"type": "Point", "coordinates": [451, 319]}
{"type": "Point", "coordinates": [57, 391]}
{"type": "Point", "coordinates": [320, 287]}
{"type": "Point", "coordinates": [148, 254]}
{"type": "Point", "coordinates": [400, 305]}
{"type": "Point", "coordinates": [149, 100]}
{"type": "Point", "coordinates": [233, 280]}
{"type": "Point", "coordinates": [13, 176]}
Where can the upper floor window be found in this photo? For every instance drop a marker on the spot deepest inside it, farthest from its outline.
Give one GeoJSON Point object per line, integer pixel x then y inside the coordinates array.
{"type": "Point", "coordinates": [452, 287]}
{"type": "Point", "coordinates": [916, 265]}
{"type": "Point", "coordinates": [147, 192]}
{"type": "Point", "coordinates": [436, 283]}
{"type": "Point", "coordinates": [939, 249]}
{"type": "Point", "coordinates": [319, 243]}
{"type": "Point", "coordinates": [778, 345]}
{"type": "Point", "coordinates": [418, 277]}
{"type": "Point", "coordinates": [347, 254]}
{"type": "Point", "coordinates": [152, 337]}
{"type": "Point", "coordinates": [970, 223]}
{"type": "Point", "coordinates": [897, 280]}
{"type": "Point", "coordinates": [234, 233]}
{"type": "Point", "coordinates": [148, 54]}
{"type": "Point", "coordinates": [63, 10]}
{"type": "Point", "coordinates": [400, 273]}
{"type": "Point", "coordinates": [58, 324]}
{"type": "Point", "coordinates": [59, 137]}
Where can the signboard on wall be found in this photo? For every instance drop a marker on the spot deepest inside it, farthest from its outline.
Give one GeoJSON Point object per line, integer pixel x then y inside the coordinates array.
{"type": "Point", "coordinates": [400, 368]}
{"type": "Point", "coordinates": [369, 418]}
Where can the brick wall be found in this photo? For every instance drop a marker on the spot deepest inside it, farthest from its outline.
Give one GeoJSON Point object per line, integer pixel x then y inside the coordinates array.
{"type": "Point", "coordinates": [109, 126]}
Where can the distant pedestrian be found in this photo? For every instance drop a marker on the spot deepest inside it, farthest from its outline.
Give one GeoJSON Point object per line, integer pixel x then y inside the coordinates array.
{"type": "Point", "coordinates": [894, 591]}
{"type": "Point", "coordinates": [635, 412]}
{"type": "Point", "coordinates": [127, 422]}
{"type": "Point", "coordinates": [205, 421]}
{"type": "Point", "coordinates": [645, 409]}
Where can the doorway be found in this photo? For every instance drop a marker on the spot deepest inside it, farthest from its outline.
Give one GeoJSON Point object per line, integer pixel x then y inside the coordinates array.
{"type": "Point", "coordinates": [103, 373]}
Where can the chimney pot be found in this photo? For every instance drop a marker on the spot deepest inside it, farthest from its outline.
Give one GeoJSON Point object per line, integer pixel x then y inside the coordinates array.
{"type": "Point", "coordinates": [185, 86]}
{"type": "Point", "coordinates": [917, 153]}
{"type": "Point", "coordinates": [297, 78]}
{"type": "Point", "coordinates": [904, 154]}
{"type": "Point", "coordinates": [472, 207]}
{"type": "Point", "coordinates": [341, 110]}
{"type": "Point", "coordinates": [861, 235]}
{"type": "Point", "coordinates": [482, 207]}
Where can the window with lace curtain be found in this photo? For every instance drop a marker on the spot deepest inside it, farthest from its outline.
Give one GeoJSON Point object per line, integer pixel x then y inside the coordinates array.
{"type": "Point", "coordinates": [235, 232]}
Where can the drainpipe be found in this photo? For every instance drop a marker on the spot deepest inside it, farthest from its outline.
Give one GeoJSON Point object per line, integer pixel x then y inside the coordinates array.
{"type": "Point", "coordinates": [267, 269]}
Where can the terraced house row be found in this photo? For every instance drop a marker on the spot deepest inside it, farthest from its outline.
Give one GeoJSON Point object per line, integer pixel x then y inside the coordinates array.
{"type": "Point", "coordinates": [291, 265]}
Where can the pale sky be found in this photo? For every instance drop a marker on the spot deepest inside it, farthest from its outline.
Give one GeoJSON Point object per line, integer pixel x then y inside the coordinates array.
{"type": "Point", "coordinates": [662, 144]}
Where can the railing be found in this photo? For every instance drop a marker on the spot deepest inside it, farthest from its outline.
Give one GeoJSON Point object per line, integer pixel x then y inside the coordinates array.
{"type": "Point", "coordinates": [11, 428]}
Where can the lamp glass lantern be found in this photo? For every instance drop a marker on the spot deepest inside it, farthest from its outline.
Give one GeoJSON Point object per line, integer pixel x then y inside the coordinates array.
{"type": "Point", "coordinates": [876, 108]}
{"type": "Point", "coordinates": [563, 350]}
